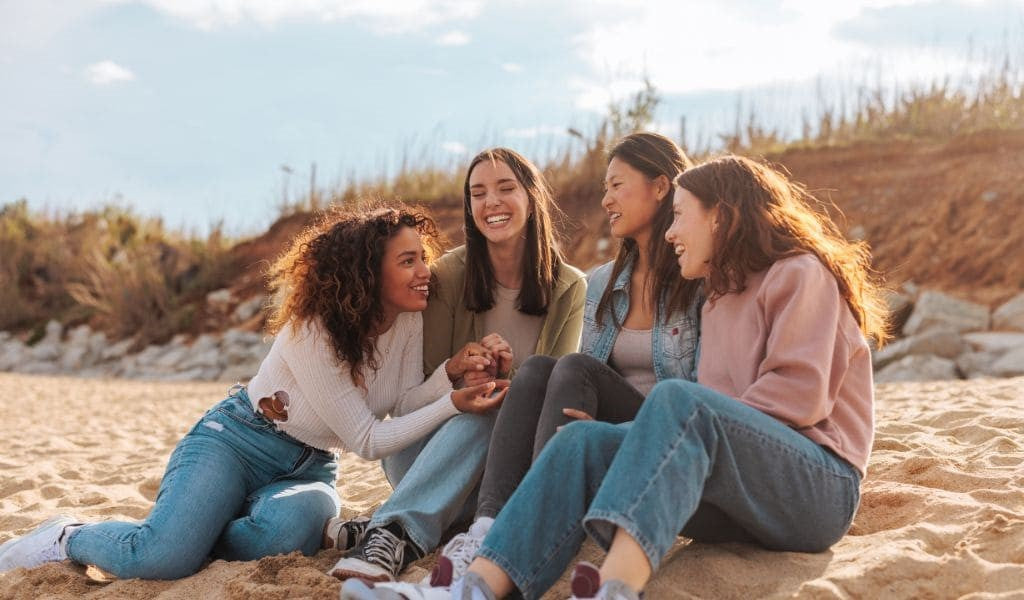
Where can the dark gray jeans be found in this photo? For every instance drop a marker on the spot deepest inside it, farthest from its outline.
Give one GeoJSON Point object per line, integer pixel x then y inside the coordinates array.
{"type": "Point", "coordinates": [532, 413]}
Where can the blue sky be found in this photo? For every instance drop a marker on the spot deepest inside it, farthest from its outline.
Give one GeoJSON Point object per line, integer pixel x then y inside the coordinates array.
{"type": "Point", "coordinates": [188, 109]}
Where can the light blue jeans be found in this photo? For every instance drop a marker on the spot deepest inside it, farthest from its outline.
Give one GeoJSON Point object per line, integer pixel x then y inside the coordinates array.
{"type": "Point", "coordinates": [436, 480]}
{"type": "Point", "coordinates": [694, 461]}
{"type": "Point", "coordinates": [235, 488]}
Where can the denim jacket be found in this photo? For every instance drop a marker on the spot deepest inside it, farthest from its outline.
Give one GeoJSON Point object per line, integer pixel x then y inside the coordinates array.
{"type": "Point", "coordinates": [674, 340]}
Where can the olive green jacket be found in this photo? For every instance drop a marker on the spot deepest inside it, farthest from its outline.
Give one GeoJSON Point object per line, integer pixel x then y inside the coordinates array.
{"type": "Point", "coordinates": [448, 325]}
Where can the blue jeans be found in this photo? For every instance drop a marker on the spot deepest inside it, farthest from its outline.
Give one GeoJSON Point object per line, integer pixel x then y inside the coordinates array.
{"type": "Point", "coordinates": [694, 461]}
{"type": "Point", "coordinates": [235, 488]}
{"type": "Point", "coordinates": [435, 479]}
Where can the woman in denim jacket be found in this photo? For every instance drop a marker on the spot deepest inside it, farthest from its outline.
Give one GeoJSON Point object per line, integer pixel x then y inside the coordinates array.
{"type": "Point", "coordinates": [638, 313]}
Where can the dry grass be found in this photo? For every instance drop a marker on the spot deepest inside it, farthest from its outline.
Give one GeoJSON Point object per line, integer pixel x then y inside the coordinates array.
{"type": "Point", "coordinates": [131, 276]}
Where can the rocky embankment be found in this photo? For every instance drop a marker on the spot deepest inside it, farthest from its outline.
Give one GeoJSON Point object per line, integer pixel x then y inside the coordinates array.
{"type": "Point", "coordinates": [949, 338]}
{"type": "Point", "coordinates": [943, 337]}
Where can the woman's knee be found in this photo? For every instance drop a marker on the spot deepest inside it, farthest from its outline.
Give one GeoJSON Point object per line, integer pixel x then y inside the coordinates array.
{"type": "Point", "coordinates": [536, 368]}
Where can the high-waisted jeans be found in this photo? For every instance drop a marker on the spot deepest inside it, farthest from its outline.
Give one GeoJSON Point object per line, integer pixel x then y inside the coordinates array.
{"type": "Point", "coordinates": [235, 488]}
{"type": "Point", "coordinates": [694, 461]}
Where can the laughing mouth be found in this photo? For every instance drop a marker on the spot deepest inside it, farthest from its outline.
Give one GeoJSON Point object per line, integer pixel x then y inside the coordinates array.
{"type": "Point", "coordinates": [498, 219]}
{"type": "Point", "coordinates": [613, 217]}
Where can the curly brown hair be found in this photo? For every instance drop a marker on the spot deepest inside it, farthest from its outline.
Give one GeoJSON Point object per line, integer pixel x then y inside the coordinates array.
{"type": "Point", "coordinates": [763, 216]}
{"type": "Point", "coordinates": [332, 273]}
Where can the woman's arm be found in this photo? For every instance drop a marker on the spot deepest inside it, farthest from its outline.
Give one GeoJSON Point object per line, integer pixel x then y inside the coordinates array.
{"type": "Point", "coordinates": [803, 310]}
{"type": "Point", "coordinates": [568, 339]}
{"type": "Point", "coordinates": [341, 404]}
{"type": "Point", "coordinates": [439, 322]}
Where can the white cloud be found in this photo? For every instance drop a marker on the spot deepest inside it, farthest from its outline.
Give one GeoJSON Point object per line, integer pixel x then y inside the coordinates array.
{"type": "Point", "coordinates": [689, 46]}
{"type": "Point", "coordinates": [453, 38]}
{"type": "Point", "coordinates": [454, 148]}
{"type": "Point", "coordinates": [512, 67]}
{"type": "Point", "coordinates": [106, 72]}
{"type": "Point", "coordinates": [391, 16]}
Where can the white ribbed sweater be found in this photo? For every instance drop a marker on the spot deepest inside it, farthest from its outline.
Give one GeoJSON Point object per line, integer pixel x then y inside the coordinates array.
{"type": "Point", "coordinates": [328, 410]}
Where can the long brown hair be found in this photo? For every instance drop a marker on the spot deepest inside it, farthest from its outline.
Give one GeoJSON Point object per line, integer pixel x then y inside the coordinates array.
{"type": "Point", "coordinates": [764, 217]}
{"type": "Point", "coordinates": [332, 272]}
{"type": "Point", "coordinates": [653, 155]}
{"type": "Point", "coordinates": [541, 256]}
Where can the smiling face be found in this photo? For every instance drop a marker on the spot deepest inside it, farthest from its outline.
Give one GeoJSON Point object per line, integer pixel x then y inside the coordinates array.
{"type": "Point", "coordinates": [498, 201]}
{"type": "Point", "coordinates": [404, 276]}
{"type": "Point", "coordinates": [692, 234]}
{"type": "Point", "coordinates": [631, 200]}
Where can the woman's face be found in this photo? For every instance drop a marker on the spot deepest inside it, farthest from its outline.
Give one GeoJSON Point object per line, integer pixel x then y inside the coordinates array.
{"type": "Point", "coordinates": [692, 234]}
{"type": "Point", "coordinates": [404, 274]}
{"type": "Point", "coordinates": [499, 203]}
{"type": "Point", "coordinates": [631, 199]}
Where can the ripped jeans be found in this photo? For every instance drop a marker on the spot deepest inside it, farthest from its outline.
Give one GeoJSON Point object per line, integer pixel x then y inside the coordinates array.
{"type": "Point", "coordinates": [235, 488]}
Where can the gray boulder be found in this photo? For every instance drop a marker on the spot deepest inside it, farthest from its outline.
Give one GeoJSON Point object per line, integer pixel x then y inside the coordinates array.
{"type": "Point", "coordinates": [1010, 315]}
{"type": "Point", "coordinates": [917, 367]}
{"type": "Point", "coordinates": [935, 310]}
{"type": "Point", "coordinates": [939, 342]}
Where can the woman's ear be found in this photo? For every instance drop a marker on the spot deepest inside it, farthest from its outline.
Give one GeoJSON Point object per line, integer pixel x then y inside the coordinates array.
{"type": "Point", "coordinates": [663, 187]}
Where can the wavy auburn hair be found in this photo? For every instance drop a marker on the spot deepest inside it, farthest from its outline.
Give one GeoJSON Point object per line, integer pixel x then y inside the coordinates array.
{"type": "Point", "coordinates": [541, 257]}
{"type": "Point", "coordinates": [655, 156]}
{"type": "Point", "coordinates": [764, 217]}
{"type": "Point", "coordinates": [332, 273]}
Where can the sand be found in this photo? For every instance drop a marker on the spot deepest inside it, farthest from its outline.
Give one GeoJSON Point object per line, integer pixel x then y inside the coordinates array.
{"type": "Point", "coordinates": [942, 513]}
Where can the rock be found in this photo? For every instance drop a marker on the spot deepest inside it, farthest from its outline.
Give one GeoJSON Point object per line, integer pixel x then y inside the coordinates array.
{"type": "Point", "coordinates": [977, 364]}
{"type": "Point", "coordinates": [220, 300]}
{"type": "Point", "coordinates": [935, 310]}
{"type": "Point", "coordinates": [240, 372]}
{"type": "Point", "coordinates": [900, 306]}
{"type": "Point", "coordinates": [12, 354]}
{"type": "Point", "coordinates": [994, 341]}
{"type": "Point", "coordinates": [174, 356]}
{"type": "Point", "coordinates": [209, 357]}
{"type": "Point", "coordinates": [48, 348]}
{"type": "Point", "coordinates": [917, 367]}
{"type": "Point", "coordinates": [116, 350]}
{"type": "Point", "coordinates": [1010, 315]}
{"type": "Point", "coordinates": [938, 342]}
{"type": "Point", "coordinates": [248, 309]}
{"type": "Point", "coordinates": [1010, 364]}
{"type": "Point", "coordinates": [77, 352]}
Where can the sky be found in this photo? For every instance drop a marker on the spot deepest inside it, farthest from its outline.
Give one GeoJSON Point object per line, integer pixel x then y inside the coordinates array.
{"type": "Point", "coordinates": [205, 111]}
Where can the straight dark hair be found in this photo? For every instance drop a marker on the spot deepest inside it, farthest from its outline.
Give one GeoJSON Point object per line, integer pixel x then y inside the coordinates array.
{"type": "Point", "coordinates": [541, 257]}
{"type": "Point", "coordinates": [655, 156]}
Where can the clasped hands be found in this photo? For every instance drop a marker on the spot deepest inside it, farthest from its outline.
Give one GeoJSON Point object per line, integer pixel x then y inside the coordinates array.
{"type": "Point", "coordinates": [480, 370]}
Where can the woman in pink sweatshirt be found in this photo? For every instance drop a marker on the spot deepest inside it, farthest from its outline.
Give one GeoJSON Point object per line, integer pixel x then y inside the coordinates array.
{"type": "Point", "coordinates": [768, 446]}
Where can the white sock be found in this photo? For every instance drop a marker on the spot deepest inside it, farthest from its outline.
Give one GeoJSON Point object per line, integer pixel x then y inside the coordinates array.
{"type": "Point", "coordinates": [481, 526]}
{"type": "Point", "coordinates": [62, 541]}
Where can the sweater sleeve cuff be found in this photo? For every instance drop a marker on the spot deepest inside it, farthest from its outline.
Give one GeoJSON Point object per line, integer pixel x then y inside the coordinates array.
{"type": "Point", "coordinates": [438, 382]}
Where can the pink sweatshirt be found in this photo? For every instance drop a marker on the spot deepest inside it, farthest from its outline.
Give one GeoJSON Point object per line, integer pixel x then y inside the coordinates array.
{"type": "Point", "coordinates": [789, 346]}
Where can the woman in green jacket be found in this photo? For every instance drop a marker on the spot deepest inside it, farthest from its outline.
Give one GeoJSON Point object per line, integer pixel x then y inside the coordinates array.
{"type": "Point", "coordinates": [508, 288]}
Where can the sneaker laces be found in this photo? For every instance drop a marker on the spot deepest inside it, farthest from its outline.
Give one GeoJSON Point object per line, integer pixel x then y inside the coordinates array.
{"type": "Point", "coordinates": [347, 534]}
{"type": "Point", "coordinates": [384, 549]}
{"type": "Point", "coordinates": [461, 549]}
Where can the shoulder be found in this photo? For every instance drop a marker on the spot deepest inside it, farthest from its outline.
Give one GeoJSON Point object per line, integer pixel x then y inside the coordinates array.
{"type": "Point", "coordinates": [600, 274]}
{"type": "Point", "coordinates": [452, 262]}
{"type": "Point", "coordinates": [797, 270]}
{"type": "Point", "coordinates": [568, 277]}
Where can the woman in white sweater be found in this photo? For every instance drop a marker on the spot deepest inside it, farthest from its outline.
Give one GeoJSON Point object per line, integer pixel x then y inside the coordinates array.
{"type": "Point", "coordinates": [256, 475]}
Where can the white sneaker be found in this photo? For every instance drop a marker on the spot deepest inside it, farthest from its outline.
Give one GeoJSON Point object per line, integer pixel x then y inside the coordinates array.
{"type": "Point", "coordinates": [41, 545]}
{"type": "Point", "coordinates": [357, 589]}
{"type": "Point", "coordinates": [586, 584]}
{"type": "Point", "coordinates": [345, 534]}
{"type": "Point", "coordinates": [458, 553]}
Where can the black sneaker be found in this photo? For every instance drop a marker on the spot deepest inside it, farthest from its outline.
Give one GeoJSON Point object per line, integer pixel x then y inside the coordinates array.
{"type": "Point", "coordinates": [383, 554]}
{"type": "Point", "coordinates": [344, 534]}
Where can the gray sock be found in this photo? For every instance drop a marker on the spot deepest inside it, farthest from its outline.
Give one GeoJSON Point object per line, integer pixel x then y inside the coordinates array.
{"type": "Point", "coordinates": [471, 587]}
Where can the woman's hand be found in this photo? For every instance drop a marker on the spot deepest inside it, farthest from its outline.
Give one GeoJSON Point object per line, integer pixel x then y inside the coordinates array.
{"type": "Point", "coordinates": [472, 358]}
{"type": "Point", "coordinates": [481, 398]}
{"type": "Point", "coordinates": [501, 352]}
{"type": "Point", "coordinates": [572, 413]}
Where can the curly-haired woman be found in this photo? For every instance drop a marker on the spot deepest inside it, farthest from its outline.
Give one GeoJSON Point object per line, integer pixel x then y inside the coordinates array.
{"type": "Point", "coordinates": [256, 475]}
{"type": "Point", "coordinates": [507, 287]}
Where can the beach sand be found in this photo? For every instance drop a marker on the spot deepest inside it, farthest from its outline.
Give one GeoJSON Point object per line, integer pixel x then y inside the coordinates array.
{"type": "Point", "coordinates": [942, 512]}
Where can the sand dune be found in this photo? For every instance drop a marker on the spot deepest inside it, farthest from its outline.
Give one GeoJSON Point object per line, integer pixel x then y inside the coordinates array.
{"type": "Point", "coordinates": [942, 513]}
